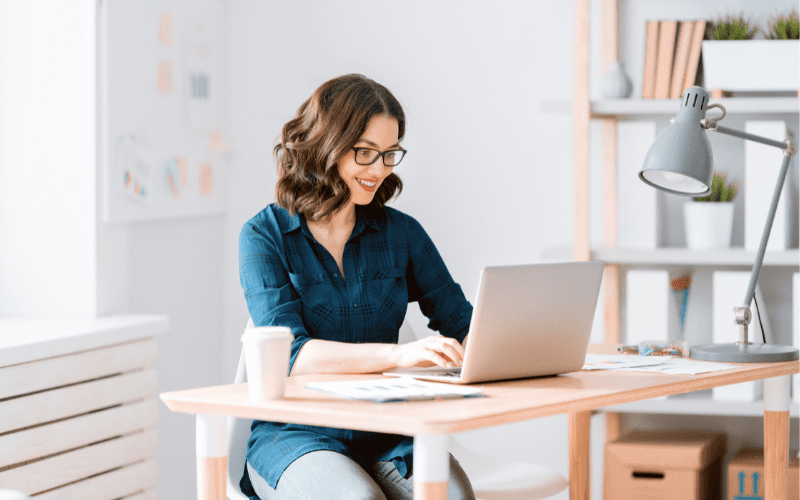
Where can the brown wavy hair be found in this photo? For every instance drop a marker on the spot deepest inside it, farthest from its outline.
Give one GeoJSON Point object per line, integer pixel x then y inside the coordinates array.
{"type": "Point", "coordinates": [322, 132]}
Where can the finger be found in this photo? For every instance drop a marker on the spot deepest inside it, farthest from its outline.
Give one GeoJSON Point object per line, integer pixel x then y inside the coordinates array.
{"type": "Point", "coordinates": [435, 358]}
{"type": "Point", "coordinates": [454, 350]}
{"type": "Point", "coordinates": [452, 354]}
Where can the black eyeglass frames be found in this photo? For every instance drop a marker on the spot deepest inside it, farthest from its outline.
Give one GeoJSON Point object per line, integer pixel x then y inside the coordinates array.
{"type": "Point", "coordinates": [368, 156]}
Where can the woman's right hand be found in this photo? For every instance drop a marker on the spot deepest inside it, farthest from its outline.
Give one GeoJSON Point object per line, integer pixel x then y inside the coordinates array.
{"type": "Point", "coordinates": [430, 351]}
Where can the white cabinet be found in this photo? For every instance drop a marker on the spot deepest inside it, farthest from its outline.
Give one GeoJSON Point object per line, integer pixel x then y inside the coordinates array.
{"type": "Point", "coordinates": [78, 407]}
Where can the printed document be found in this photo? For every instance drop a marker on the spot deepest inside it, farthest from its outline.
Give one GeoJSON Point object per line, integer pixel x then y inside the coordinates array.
{"type": "Point", "coordinates": [383, 390]}
{"type": "Point", "coordinates": [653, 364]}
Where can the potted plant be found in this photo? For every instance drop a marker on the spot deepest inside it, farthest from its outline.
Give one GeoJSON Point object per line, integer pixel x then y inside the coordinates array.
{"type": "Point", "coordinates": [709, 219]}
{"type": "Point", "coordinates": [734, 59]}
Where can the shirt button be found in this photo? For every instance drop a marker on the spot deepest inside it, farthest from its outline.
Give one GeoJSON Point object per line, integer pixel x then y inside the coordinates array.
{"type": "Point", "coordinates": [355, 305]}
{"type": "Point", "coordinates": [335, 275]}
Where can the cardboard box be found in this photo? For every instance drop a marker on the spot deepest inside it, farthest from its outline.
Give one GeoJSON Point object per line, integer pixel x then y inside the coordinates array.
{"type": "Point", "coordinates": [746, 476]}
{"type": "Point", "coordinates": [665, 465]}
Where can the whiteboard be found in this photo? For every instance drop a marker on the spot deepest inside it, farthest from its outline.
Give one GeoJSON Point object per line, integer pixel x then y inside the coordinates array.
{"type": "Point", "coordinates": [162, 92]}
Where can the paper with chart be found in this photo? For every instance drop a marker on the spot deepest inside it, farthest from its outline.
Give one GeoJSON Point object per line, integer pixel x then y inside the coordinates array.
{"type": "Point", "coordinates": [654, 364]}
{"type": "Point", "coordinates": [395, 389]}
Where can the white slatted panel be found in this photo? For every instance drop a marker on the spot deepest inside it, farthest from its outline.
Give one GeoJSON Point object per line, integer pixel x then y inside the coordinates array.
{"type": "Point", "coordinates": [62, 370]}
{"type": "Point", "coordinates": [129, 480]}
{"type": "Point", "coordinates": [146, 495]}
{"type": "Point", "coordinates": [74, 400]}
{"type": "Point", "coordinates": [79, 464]}
{"type": "Point", "coordinates": [75, 432]}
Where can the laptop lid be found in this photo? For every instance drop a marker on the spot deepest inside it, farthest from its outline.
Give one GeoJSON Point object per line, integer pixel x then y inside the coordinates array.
{"type": "Point", "coordinates": [531, 320]}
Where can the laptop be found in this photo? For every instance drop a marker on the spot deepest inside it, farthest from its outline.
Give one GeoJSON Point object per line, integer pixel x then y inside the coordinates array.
{"type": "Point", "coordinates": [528, 321]}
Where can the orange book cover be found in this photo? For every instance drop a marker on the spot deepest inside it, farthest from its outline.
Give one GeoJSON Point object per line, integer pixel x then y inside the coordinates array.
{"type": "Point", "coordinates": [693, 63]}
{"type": "Point", "coordinates": [650, 55]}
{"type": "Point", "coordinates": [684, 44]}
{"type": "Point", "coordinates": [667, 30]}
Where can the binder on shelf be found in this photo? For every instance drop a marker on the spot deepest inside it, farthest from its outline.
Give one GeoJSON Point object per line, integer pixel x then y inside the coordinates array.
{"type": "Point", "coordinates": [681, 59]}
{"type": "Point", "coordinates": [762, 164]}
{"type": "Point", "coordinates": [796, 330]}
{"type": "Point", "coordinates": [728, 290]}
{"type": "Point", "coordinates": [693, 61]}
{"type": "Point", "coordinates": [637, 201]}
{"type": "Point", "coordinates": [650, 57]}
{"type": "Point", "coordinates": [667, 31]}
{"type": "Point", "coordinates": [646, 306]}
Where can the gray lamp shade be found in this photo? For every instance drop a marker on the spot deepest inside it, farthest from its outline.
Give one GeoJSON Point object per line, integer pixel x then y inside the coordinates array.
{"type": "Point", "coordinates": [680, 160]}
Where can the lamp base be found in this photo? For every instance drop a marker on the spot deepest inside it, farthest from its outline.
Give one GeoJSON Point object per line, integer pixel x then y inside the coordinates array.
{"type": "Point", "coordinates": [749, 353]}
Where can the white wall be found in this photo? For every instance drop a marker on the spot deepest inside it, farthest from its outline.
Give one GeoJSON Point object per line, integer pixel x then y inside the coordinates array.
{"type": "Point", "coordinates": [175, 270]}
{"type": "Point", "coordinates": [487, 174]}
{"type": "Point", "coordinates": [47, 158]}
{"type": "Point", "coordinates": [57, 258]}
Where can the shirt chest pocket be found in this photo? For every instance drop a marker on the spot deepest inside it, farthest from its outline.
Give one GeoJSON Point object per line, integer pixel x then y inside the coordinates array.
{"type": "Point", "coordinates": [319, 313]}
{"type": "Point", "coordinates": [387, 293]}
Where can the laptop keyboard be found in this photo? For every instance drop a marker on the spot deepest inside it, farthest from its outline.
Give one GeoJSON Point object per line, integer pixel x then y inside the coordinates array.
{"type": "Point", "coordinates": [455, 372]}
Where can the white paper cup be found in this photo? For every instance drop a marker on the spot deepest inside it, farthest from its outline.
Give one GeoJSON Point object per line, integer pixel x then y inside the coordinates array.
{"type": "Point", "coordinates": [266, 356]}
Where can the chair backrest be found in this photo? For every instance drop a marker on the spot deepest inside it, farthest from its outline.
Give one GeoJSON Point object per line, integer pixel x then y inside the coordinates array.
{"type": "Point", "coordinates": [238, 434]}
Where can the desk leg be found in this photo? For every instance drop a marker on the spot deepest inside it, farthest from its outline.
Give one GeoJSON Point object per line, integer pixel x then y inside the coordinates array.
{"type": "Point", "coordinates": [579, 455]}
{"type": "Point", "coordinates": [776, 438]}
{"type": "Point", "coordinates": [212, 456]}
{"type": "Point", "coordinates": [431, 467]}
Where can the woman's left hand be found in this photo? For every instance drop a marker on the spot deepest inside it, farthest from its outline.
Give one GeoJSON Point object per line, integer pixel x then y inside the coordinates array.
{"type": "Point", "coordinates": [430, 351]}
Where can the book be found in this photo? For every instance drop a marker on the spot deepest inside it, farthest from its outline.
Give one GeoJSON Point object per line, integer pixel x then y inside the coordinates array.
{"type": "Point", "coordinates": [667, 31]}
{"type": "Point", "coordinates": [646, 305]}
{"type": "Point", "coordinates": [681, 59]}
{"type": "Point", "coordinates": [384, 390]}
{"type": "Point", "coordinates": [693, 62]}
{"type": "Point", "coordinates": [650, 55]}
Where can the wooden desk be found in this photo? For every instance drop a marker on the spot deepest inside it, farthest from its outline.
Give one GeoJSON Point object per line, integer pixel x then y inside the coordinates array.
{"type": "Point", "coordinates": [429, 422]}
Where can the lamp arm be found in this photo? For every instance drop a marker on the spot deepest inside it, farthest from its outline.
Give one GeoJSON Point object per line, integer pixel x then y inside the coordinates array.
{"type": "Point", "coordinates": [787, 146]}
{"type": "Point", "coordinates": [762, 247]}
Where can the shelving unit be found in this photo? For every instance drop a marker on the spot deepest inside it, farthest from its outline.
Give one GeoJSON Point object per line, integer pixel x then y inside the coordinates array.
{"type": "Point", "coordinates": [609, 112]}
{"type": "Point", "coordinates": [686, 257]}
{"type": "Point", "coordinates": [698, 404]}
{"type": "Point", "coordinates": [635, 108]}
{"type": "Point", "coordinates": [742, 105]}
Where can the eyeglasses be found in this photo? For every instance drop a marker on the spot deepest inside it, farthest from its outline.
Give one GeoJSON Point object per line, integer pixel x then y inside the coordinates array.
{"type": "Point", "coordinates": [368, 156]}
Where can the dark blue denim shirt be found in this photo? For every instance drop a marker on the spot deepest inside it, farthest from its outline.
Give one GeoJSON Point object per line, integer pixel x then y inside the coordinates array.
{"type": "Point", "coordinates": [291, 280]}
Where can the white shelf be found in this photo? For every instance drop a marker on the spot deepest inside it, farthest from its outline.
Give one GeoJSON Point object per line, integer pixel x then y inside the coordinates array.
{"type": "Point", "coordinates": [698, 404]}
{"type": "Point", "coordinates": [733, 105]}
{"type": "Point", "coordinates": [24, 339]}
{"type": "Point", "coordinates": [643, 107]}
{"type": "Point", "coordinates": [684, 256]}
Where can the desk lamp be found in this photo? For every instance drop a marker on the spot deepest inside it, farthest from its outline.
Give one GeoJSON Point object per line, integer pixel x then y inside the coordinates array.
{"type": "Point", "coordinates": [680, 162]}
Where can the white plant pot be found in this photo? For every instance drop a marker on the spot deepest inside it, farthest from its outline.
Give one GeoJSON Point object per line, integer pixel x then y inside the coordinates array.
{"type": "Point", "coordinates": [709, 224]}
{"type": "Point", "coordinates": [751, 65]}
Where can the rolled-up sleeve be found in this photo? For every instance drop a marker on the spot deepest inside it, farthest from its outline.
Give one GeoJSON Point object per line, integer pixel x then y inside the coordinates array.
{"type": "Point", "coordinates": [271, 298]}
{"type": "Point", "coordinates": [429, 282]}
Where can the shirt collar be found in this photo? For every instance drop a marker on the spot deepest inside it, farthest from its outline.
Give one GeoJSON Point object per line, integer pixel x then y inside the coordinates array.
{"type": "Point", "coordinates": [364, 215]}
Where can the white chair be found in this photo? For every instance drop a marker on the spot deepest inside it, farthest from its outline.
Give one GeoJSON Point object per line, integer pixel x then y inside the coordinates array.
{"type": "Point", "coordinates": [492, 478]}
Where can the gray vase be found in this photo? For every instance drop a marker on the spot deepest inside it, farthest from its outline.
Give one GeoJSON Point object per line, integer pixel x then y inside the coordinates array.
{"type": "Point", "coordinates": [616, 84]}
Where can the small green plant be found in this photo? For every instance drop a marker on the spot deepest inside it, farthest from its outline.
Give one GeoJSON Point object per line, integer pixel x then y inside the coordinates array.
{"type": "Point", "coordinates": [721, 190]}
{"type": "Point", "coordinates": [731, 27]}
{"type": "Point", "coordinates": [784, 27]}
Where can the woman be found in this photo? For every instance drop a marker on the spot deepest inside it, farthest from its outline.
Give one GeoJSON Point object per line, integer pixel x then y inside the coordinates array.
{"type": "Point", "coordinates": [332, 262]}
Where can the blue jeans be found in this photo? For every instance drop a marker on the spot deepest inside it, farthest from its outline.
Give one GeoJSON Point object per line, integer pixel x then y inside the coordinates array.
{"type": "Point", "coordinates": [324, 475]}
